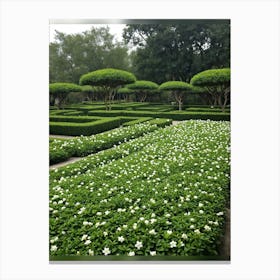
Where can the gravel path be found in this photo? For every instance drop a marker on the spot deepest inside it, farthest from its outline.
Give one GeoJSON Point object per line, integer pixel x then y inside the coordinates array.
{"type": "Point", "coordinates": [60, 164]}
{"type": "Point", "coordinates": [61, 136]}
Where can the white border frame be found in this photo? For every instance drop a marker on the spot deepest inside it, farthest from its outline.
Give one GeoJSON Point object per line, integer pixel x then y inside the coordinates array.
{"type": "Point", "coordinates": [24, 138]}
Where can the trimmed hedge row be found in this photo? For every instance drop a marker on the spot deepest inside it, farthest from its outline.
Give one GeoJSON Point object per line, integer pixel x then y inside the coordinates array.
{"type": "Point", "coordinates": [89, 128]}
{"type": "Point", "coordinates": [139, 120]}
{"type": "Point", "coordinates": [175, 115]}
{"type": "Point", "coordinates": [74, 119]}
{"type": "Point", "coordinates": [214, 110]}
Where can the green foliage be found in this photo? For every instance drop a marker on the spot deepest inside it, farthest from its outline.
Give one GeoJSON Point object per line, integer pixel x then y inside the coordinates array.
{"type": "Point", "coordinates": [174, 115]}
{"type": "Point", "coordinates": [88, 128]}
{"type": "Point", "coordinates": [125, 90]}
{"type": "Point", "coordinates": [61, 150]}
{"type": "Point", "coordinates": [58, 88]}
{"type": "Point", "coordinates": [87, 89]}
{"type": "Point", "coordinates": [72, 55]}
{"type": "Point", "coordinates": [166, 192]}
{"type": "Point", "coordinates": [143, 86]}
{"type": "Point", "coordinates": [75, 119]}
{"type": "Point", "coordinates": [138, 120]}
{"type": "Point", "coordinates": [176, 50]}
{"type": "Point", "coordinates": [212, 77]}
{"type": "Point", "coordinates": [175, 86]}
{"type": "Point", "coordinates": [107, 77]}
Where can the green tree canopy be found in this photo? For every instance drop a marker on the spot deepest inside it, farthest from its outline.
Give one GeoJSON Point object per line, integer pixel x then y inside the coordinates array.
{"type": "Point", "coordinates": [61, 90]}
{"type": "Point", "coordinates": [178, 89]}
{"type": "Point", "coordinates": [177, 50]}
{"type": "Point", "coordinates": [70, 56]}
{"type": "Point", "coordinates": [143, 88]}
{"type": "Point", "coordinates": [110, 79]}
{"type": "Point", "coordinates": [217, 83]}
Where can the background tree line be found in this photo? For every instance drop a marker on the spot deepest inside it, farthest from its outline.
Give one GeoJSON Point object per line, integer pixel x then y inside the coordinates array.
{"type": "Point", "coordinates": [162, 51]}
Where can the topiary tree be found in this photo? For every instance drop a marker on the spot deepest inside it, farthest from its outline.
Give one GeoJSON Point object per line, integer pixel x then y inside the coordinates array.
{"type": "Point", "coordinates": [178, 89]}
{"type": "Point", "coordinates": [217, 83]}
{"type": "Point", "coordinates": [60, 91]}
{"type": "Point", "coordinates": [143, 88]}
{"type": "Point", "coordinates": [109, 79]}
{"type": "Point", "coordinates": [125, 92]}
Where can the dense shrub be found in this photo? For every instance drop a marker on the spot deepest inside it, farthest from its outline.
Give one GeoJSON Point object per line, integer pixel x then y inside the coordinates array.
{"type": "Point", "coordinates": [88, 128]}
{"type": "Point", "coordinates": [175, 115]}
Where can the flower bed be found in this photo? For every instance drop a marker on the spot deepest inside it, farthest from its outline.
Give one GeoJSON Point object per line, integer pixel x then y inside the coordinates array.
{"type": "Point", "coordinates": [166, 198]}
{"type": "Point", "coordinates": [60, 150]}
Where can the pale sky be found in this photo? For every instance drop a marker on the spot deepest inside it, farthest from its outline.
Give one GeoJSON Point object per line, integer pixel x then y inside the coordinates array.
{"type": "Point", "coordinates": [115, 29]}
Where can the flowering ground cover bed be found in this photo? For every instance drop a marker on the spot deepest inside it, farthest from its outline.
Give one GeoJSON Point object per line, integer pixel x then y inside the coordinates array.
{"type": "Point", "coordinates": [60, 150]}
{"type": "Point", "coordinates": [160, 195]}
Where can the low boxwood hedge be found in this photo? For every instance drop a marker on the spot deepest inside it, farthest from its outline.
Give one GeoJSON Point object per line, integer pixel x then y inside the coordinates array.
{"type": "Point", "coordinates": [139, 120]}
{"type": "Point", "coordinates": [174, 115]}
{"type": "Point", "coordinates": [88, 128]}
{"type": "Point", "coordinates": [74, 119]}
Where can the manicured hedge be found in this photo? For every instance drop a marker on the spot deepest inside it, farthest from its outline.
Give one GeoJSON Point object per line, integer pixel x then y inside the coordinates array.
{"type": "Point", "coordinates": [175, 115]}
{"type": "Point", "coordinates": [139, 120]}
{"type": "Point", "coordinates": [89, 128]}
{"type": "Point", "coordinates": [190, 109]}
{"type": "Point", "coordinates": [74, 119]}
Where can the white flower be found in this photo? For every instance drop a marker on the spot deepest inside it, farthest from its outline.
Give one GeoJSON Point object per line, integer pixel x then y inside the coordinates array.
{"type": "Point", "coordinates": [53, 248]}
{"type": "Point", "coordinates": [173, 244]}
{"type": "Point", "coordinates": [85, 223]}
{"type": "Point", "coordinates": [146, 222]}
{"type": "Point", "coordinates": [131, 254]}
{"type": "Point", "coordinates": [152, 232]}
{"type": "Point", "coordinates": [200, 204]}
{"type": "Point", "coordinates": [106, 251]}
{"type": "Point", "coordinates": [138, 245]}
{"type": "Point", "coordinates": [182, 244]}
{"type": "Point", "coordinates": [220, 214]}
{"type": "Point", "coordinates": [84, 237]}
{"type": "Point", "coordinates": [153, 253]}
{"type": "Point", "coordinates": [152, 200]}
{"type": "Point", "coordinates": [169, 232]}
{"type": "Point", "coordinates": [201, 211]}
{"type": "Point", "coordinates": [197, 231]}
{"type": "Point", "coordinates": [184, 236]}
{"type": "Point", "coordinates": [153, 220]}
{"type": "Point", "coordinates": [107, 212]}
{"type": "Point", "coordinates": [87, 242]}
{"type": "Point", "coordinates": [90, 252]}
{"type": "Point", "coordinates": [167, 215]}
{"type": "Point", "coordinates": [134, 226]}
{"type": "Point", "coordinates": [99, 213]}
{"type": "Point", "coordinates": [206, 227]}
{"type": "Point", "coordinates": [121, 239]}
{"type": "Point", "coordinates": [191, 226]}
{"type": "Point", "coordinates": [105, 233]}
{"type": "Point", "coordinates": [124, 226]}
